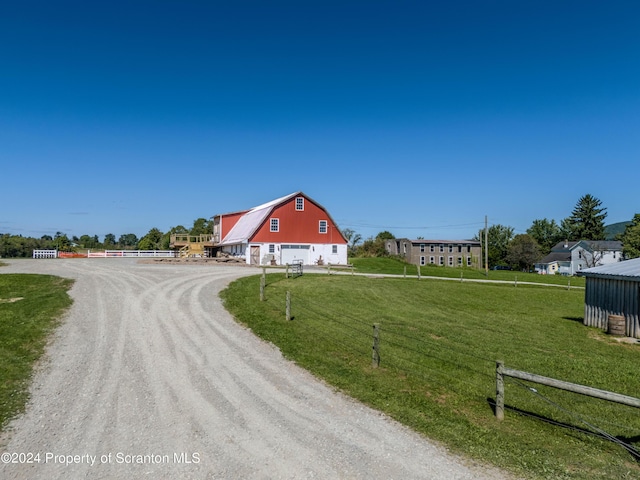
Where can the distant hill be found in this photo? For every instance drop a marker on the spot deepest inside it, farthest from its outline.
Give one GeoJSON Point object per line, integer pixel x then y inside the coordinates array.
{"type": "Point", "coordinates": [614, 229]}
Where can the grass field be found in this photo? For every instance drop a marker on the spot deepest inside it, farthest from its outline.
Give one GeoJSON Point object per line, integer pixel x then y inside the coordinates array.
{"type": "Point", "coordinates": [395, 266]}
{"type": "Point", "coordinates": [29, 308]}
{"type": "Point", "coordinates": [439, 341]}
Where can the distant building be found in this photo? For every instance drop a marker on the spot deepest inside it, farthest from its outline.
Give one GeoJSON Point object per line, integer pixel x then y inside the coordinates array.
{"type": "Point", "coordinates": [569, 258]}
{"type": "Point", "coordinates": [446, 253]}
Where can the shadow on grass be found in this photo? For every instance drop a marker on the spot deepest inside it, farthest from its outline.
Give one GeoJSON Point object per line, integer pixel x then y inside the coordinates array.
{"type": "Point", "coordinates": [627, 441]}
{"type": "Point", "coordinates": [575, 319]}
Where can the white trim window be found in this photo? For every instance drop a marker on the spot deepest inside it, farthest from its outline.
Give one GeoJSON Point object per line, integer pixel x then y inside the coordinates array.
{"type": "Point", "coordinates": [334, 249]}
{"type": "Point", "coordinates": [272, 248]}
{"type": "Point", "coordinates": [299, 204]}
{"type": "Point", "coordinates": [274, 225]}
{"type": "Point", "coordinates": [322, 226]}
{"type": "Point", "coordinates": [422, 260]}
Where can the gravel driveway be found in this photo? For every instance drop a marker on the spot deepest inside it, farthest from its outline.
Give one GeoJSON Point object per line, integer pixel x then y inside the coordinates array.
{"type": "Point", "coordinates": [149, 377]}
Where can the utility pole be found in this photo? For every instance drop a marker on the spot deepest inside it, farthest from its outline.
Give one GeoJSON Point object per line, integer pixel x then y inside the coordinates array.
{"type": "Point", "coordinates": [486, 246]}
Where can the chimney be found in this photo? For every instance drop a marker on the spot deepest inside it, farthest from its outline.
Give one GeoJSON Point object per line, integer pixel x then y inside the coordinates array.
{"type": "Point", "coordinates": [566, 243]}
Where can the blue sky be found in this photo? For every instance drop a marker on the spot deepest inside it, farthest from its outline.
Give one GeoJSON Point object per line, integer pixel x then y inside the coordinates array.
{"type": "Point", "coordinates": [415, 117]}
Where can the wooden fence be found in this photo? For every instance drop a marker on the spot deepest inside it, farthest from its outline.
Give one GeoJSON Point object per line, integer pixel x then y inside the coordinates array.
{"type": "Point", "coordinates": [502, 371]}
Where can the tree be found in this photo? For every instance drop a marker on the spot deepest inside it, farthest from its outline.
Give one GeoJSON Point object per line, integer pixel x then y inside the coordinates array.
{"type": "Point", "coordinates": [87, 241]}
{"type": "Point", "coordinates": [151, 241]}
{"type": "Point", "coordinates": [385, 235]}
{"type": "Point", "coordinates": [352, 238]}
{"type": "Point", "coordinates": [201, 226]}
{"type": "Point", "coordinates": [499, 238]}
{"type": "Point", "coordinates": [631, 238]}
{"type": "Point", "coordinates": [109, 240]}
{"type": "Point", "coordinates": [128, 240]}
{"type": "Point", "coordinates": [546, 233]}
{"type": "Point", "coordinates": [62, 242]}
{"type": "Point", "coordinates": [522, 252]}
{"type": "Point", "coordinates": [587, 219]}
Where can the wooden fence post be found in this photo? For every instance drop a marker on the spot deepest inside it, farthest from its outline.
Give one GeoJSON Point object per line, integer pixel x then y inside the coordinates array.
{"type": "Point", "coordinates": [375, 354]}
{"type": "Point", "coordinates": [515, 282]}
{"type": "Point", "coordinates": [287, 272]}
{"type": "Point", "coordinates": [288, 306]}
{"type": "Point", "coordinates": [499, 390]}
{"type": "Point", "coordinates": [263, 282]}
{"type": "Point", "coordinates": [418, 272]}
{"type": "Point", "coordinates": [405, 272]}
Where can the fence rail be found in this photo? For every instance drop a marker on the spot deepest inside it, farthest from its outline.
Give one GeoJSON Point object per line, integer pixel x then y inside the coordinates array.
{"type": "Point", "coordinates": [502, 371]}
{"type": "Point", "coordinates": [45, 254]}
{"type": "Point", "coordinates": [132, 253]}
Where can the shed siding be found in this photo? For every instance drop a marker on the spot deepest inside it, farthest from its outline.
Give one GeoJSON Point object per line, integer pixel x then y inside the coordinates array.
{"type": "Point", "coordinates": [605, 296]}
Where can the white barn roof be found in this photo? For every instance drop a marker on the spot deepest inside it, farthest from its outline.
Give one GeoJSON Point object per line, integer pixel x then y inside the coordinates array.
{"type": "Point", "coordinates": [251, 221]}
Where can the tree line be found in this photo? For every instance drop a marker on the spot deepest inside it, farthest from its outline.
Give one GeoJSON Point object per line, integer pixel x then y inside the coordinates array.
{"type": "Point", "coordinates": [522, 251]}
{"type": "Point", "coordinates": [16, 246]}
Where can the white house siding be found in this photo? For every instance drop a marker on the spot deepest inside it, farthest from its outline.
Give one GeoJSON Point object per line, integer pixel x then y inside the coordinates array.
{"type": "Point", "coordinates": [308, 254]}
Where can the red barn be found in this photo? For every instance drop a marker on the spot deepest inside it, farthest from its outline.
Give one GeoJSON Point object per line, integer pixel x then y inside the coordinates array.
{"type": "Point", "coordinates": [285, 230]}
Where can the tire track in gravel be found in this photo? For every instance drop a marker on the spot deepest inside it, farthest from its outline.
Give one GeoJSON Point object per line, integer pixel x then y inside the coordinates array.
{"type": "Point", "coordinates": [148, 362]}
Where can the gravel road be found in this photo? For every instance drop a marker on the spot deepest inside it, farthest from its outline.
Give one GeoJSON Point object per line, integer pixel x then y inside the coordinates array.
{"type": "Point", "coordinates": [149, 377]}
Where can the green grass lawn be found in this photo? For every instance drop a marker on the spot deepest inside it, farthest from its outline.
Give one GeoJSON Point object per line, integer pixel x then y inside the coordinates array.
{"type": "Point", "coordinates": [439, 341]}
{"type": "Point", "coordinates": [396, 266]}
{"type": "Point", "coordinates": [29, 308]}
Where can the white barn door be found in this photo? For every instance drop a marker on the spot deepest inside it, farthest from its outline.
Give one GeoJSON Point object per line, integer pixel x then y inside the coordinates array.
{"type": "Point", "coordinates": [291, 253]}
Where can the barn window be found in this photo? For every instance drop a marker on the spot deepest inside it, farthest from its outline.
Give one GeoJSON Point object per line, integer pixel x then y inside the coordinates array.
{"type": "Point", "coordinates": [272, 248]}
{"type": "Point", "coordinates": [275, 225]}
{"type": "Point", "coordinates": [334, 249]}
{"type": "Point", "coordinates": [299, 204]}
{"type": "Point", "coordinates": [323, 226]}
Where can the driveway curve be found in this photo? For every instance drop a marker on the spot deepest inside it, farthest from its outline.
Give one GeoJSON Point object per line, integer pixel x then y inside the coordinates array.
{"type": "Point", "coordinates": [150, 377]}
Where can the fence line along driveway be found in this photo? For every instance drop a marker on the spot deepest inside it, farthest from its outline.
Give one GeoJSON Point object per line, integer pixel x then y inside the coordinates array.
{"type": "Point", "coordinates": [149, 376]}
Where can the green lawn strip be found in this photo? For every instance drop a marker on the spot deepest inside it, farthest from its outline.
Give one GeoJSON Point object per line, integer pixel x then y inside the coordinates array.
{"type": "Point", "coordinates": [30, 307]}
{"type": "Point", "coordinates": [396, 266]}
{"type": "Point", "coordinates": [439, 342]}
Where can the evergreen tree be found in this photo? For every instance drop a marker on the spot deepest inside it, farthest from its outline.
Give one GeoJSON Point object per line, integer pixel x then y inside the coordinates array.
{"type": "Point", "coordinates": [631, 238]}
{"type": "Point", "coordinates": [587, 219]}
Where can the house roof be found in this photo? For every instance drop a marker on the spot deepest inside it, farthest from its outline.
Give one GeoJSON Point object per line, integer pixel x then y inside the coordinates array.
{"type": "Point", "coordinates": [628, 269]}
{"type": "Point", "coordinates": [251, 221]}
{"type": "Point", "coordinates": [556, 257]}
{"type": "Point", "coordinates": [425, 241]}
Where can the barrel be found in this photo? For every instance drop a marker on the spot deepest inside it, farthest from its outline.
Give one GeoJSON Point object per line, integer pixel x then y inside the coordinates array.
{"type": "Point", "coordinates": [617, 325]}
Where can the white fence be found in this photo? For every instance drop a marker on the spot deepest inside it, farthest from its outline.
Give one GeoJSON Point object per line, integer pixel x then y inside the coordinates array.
{"type": "Point", "coordinates": [45, 253]}
{"type": "Point", "coordinates": [132, 253]}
